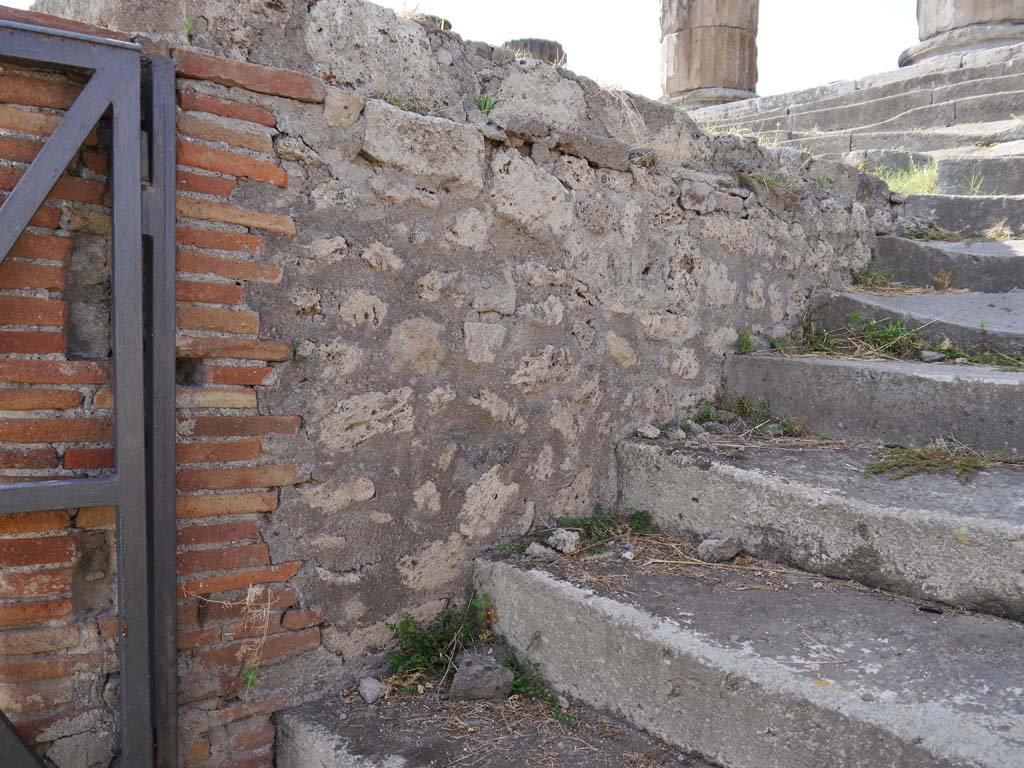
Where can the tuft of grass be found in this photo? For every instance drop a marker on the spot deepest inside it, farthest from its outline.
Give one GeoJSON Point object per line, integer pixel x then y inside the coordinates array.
{"type": "Point", "coordinates": [599, 526]}
{"type": "Point", "coordinates": [767, 139]}
{"type": "Point", "coordinates": [914, 180]}
{"type": "Point", "coordinates": [190, 27]}
{"type": "Point", "coordinates": [705, 413]}
{"type": "Point", "coordinates": [977, 182]}
{"type": "Point", "coordinates": [745, 342]}
{"type": "Point", "coordinates": [428, 651]}
{"type": "Point", "coordinates": [943, 280]}
{"type": "Point", "coordinates": [485, 103]}
{"type": "Point", "coordinates": [872, 277]}
{"type": "Point", "coordinates": [941, 455]}
{"type": "Point", "coordinates": [872, 339]}
{"type": "Point", "coordinates": [933, 233]}
{"type": "Point", "coordinates": [758, 417]}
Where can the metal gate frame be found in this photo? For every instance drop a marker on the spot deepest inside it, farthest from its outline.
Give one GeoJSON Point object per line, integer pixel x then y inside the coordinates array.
{"type": "Point", "coordinates": [142, 486]}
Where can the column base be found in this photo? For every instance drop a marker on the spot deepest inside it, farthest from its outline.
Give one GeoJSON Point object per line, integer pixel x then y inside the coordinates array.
{"type": "Point", "coordinates": [708, 97]}
{"type": "Point", "coordinates": [972, 38]}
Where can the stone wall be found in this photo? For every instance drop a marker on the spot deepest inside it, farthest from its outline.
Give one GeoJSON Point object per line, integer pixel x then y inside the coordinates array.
{"type": "Point", "coordinates": [429, 326]}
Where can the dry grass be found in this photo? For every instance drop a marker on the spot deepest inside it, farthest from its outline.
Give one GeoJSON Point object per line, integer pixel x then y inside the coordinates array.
{"type": "Point", "coordinates": [999, 232]}
{"type": "Point", "coordinates": [942, 455]}
{"type": "Point", "coordinates": [767, 139]}
{"type": "Point", "coordinates": [515, 731]}
{"type": "Point", "coordinates": [256, 613]}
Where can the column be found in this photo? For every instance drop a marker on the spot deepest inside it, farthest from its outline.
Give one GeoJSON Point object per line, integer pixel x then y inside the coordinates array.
{"type": "Point", "coordinates": [953, 26]}
{"type": "Point", "coordinates": [708, 51]}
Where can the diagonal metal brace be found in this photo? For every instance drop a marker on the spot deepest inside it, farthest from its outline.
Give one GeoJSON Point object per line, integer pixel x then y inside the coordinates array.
{"type": "Point", "coordinates": [14, 752]}
{"type": "Point", "coordinates": [31, 190]}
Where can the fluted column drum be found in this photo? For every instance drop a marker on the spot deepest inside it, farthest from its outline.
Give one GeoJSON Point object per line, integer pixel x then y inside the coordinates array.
{"type": "Point", "coordinates": [952, 26]}
{"type": "Point", "coordinates": [708, 51]}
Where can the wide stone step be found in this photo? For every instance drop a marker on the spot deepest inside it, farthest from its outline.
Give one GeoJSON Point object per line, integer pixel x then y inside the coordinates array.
{"type": "Point", "coordinates": [931, 77]}
{"type": "Point", "coordinates": [997, 170]}
{"type": "Point", "coordinates": [988, 267]}
{"type": "Point", "coordinates": [969, 214]}
{"type": "Point", "coordinates": [968, 135]}
{"type": "Point", "coordinates": [886, 401]}
{"type": "Point", "coordinates": [406, 730]}
{"type": "Point", "coordinates": [926, 536]}
{"type": "Point", "coordinates": [983, 321]}
{"type": "Point", "coordinates": [908, 112]}
{"type": "Point", "coordinates": [801, 677]}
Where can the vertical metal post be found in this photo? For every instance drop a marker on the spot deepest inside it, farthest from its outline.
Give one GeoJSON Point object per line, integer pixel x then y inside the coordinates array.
{"type": "Point", "coordinates": [142, 487]}
{"type": "Point", "coordinates": [129, 422]}
{"type": "Point", "coordinates": [159, 228]}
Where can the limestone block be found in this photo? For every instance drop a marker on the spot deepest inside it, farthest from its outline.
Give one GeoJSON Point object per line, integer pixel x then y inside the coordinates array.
{"type": "Point", "coordinates": [530, 196]}
{"type": "Point", "coordinates": [533, 89]}
{"type": "Point", "coordinates": [431, 147]}
{"type": "Point", "coordinates": [341, 108]}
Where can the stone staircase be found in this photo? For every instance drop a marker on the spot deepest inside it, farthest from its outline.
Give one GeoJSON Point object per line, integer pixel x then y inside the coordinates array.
{"type": "Point", "coordinates": [892, 634]}
{"type": "Point", "coordinates": [964, 113]}
{"type": "Point", "coordinates": [898, 641]}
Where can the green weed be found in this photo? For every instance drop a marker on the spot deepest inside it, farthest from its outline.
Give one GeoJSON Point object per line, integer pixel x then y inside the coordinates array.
{"type": "Point", "coordinates": [485, 103]}
{"type": "Point", "coordinates": [745, 343]}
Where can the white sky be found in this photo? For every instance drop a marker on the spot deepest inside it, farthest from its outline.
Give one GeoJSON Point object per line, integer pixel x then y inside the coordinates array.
{"type": "Point", "coordinates": [802, 43]}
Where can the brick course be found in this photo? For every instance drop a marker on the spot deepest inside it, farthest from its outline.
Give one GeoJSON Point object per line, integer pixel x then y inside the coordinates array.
{"type": "Point", "coordinates": [63, 425]}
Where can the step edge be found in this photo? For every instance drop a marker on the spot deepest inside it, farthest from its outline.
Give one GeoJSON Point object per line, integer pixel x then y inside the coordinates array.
{"type": "Point", "coordinates": [938, 734]}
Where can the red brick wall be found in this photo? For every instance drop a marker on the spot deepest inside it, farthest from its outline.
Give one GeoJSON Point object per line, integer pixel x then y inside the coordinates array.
{"type": "Point", "coordinates": [57, 644]}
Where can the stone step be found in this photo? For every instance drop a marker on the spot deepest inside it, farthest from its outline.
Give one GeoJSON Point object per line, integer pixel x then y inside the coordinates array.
{"type": "Point", "coordinates": [988, 267]}
{"type": "Point", "coordinates": [904, 403]}
{"type": "Point", "coordinates": [990, 171]}
{"type": "Point", "coordinates": [935, 75]}
{"type": "Point", "coordinates": [975, 109]}
{"type": "Point", "coordinates": [801, 677]}
{"type": "Point", "coordinates": [916, 110]}
{"type": "Point", "coordinates": [997, 170]}
{"type": "Point", "coordinates": [415, 731]}
{"type": "Point", "coordinates": [972, 321]}
{"type": "Point", "coordinates": [817, 510]}
{"type": "Point", "coordinates": [970, 214]}
{"type": "Point", "coordinates": [968, 135]}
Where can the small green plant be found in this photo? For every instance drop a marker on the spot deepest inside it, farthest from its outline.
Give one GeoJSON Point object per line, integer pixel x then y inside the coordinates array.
{"type": "Point", "coordinates": [485, 103]}
{"type": "Point", "coordinates": [912, 180]}
{"type": "Point", "coordinates": [250, 677]}
{"type": "Point", "coordinates": [941, 455]}
{"type": "Point", "coordinates": [429, 651]}
{"type": "Point", "coordinates": [704, 414]}
{"type": "Point", "coordinates": [425, 651]}
{"type": "Point", "coordinates": [190, 27]}
{"type": "Point", "coordinates": [640, 522]}
{"type": "Point", "coordinates": [745, 342]}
